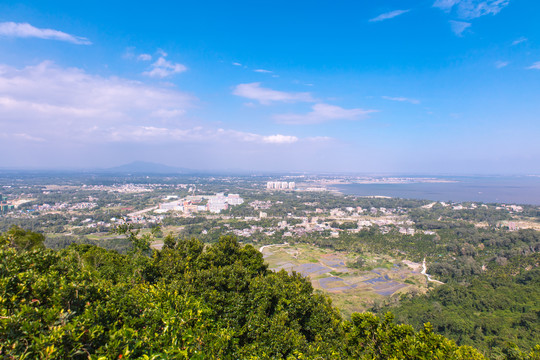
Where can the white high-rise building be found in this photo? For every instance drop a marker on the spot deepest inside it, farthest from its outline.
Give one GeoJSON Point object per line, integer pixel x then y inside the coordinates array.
{"type": "Point", "coordinates": [280, 185]}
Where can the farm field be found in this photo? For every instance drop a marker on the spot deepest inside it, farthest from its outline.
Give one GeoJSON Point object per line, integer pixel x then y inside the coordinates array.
{"type": "Point", "coordinates": [350, 289]}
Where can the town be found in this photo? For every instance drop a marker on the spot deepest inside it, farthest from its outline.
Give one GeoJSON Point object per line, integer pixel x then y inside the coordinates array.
{"type": "Point", "coordinates": [99, 208]}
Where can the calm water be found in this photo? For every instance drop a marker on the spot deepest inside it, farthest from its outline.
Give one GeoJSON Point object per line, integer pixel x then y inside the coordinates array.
{"type": "Point", "coordinates": [513, 190]}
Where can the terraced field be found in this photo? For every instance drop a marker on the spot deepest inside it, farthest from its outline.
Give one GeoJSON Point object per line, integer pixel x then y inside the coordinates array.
{"type": "Point", "coordinates": [350, 289]}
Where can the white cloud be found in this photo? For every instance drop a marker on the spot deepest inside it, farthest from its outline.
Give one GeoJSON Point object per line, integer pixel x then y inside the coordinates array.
{"type": "Point", "coordinates": [265, 96]}
{"type": "Point", "coordinates": [247, 137]}
{"type": "Point", "coordinates": [163, 68]}
{"type": "Point", "coordinates": [322, 113]}
{"type": "Point", "coordinates": [519, 41]}
{"type": "Point", "coordinates": [50, 102]}
{"type": "Point", "coordinates": [389, 15]}
{"type": "Point", "coordinates": [402, 99]}
{"type": "Point", "coordinates": [501, 64]}
{"type": "Point", "coordinates": [535, 66]}
{"type": "Point", "coordinates": [458, 27]}
{"type": "Point", "coordinates": [470, 9]}
{"type": "Point", "coordinates": [144, 57]}
{"type": "Point", "coordinates": [262, 71]}
{"type": "Point", "coordinates": [279, 139]}
{"type": "Point", "coordinates": [54, 105]}
{"type": "Point", "coordinates": [236, 64]}
{"type": "Point", "coordinates": [222, 134]}
{"type": "Point", "coordinates": [25, 30]}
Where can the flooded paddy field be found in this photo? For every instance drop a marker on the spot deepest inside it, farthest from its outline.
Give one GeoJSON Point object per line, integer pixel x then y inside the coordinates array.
{"type": "Point", "coordinates": [350, 289]}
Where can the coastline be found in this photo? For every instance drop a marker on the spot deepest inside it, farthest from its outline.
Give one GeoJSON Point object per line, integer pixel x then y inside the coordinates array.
{"type": "Point", "coordinates": [486, 190]}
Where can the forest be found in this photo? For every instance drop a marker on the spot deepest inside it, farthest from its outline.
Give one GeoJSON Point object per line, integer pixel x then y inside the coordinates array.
{"type": "Point", "coordinates": [187, 301]}
{"type": "Point", "coordinates": [491, 311]}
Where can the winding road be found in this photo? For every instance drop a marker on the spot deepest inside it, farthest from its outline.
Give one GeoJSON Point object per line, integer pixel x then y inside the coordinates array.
{"type": "Point", "coordinates": [424, 268]}
{"type": "Point", "coordinates": [261, 249]}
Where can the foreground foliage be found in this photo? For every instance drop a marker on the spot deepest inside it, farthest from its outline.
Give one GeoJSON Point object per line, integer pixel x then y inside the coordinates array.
{"type": "Point", "coordinates": [495, 312]}
{"type": "Point", "coordinates": [185, 301]}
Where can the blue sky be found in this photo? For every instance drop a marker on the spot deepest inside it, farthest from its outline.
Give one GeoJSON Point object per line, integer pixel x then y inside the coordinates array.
{"type": "Point", "coordinates": [438, 86]}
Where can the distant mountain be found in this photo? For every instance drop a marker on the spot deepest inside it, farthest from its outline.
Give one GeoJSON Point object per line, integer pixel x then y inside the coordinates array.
{"type": "Point", "coordinates": [143, 167]}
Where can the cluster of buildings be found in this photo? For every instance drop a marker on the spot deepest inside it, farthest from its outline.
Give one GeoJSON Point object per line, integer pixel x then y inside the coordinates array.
{"type": "Point", "coordinates": [122, 188]}
{"type": "Point", "coordinates": [248, 232]}
{"type": "Point", "coordinates": [280, 185]}
{"type": "Point", "coordinates": [200, 203]}
{"type": "Point", "coordinates": [325, 225]}
{"type": "Point", "coordinates": [5, 205]}
{"type": "Point", "coordinates": [473, 206]}
{"type": "Point", "coordinates": [510, 208]}
{"type": "Point", "coordinates": [65, 206]}
{"type": "Point", "coordinates": [261, 205]}
{"type": "Point", "coordinates": [221, 201]}
{"type": "Point", "coordinates": [142, 219]}
{"type": "Point", "coordinates": [132, 188]}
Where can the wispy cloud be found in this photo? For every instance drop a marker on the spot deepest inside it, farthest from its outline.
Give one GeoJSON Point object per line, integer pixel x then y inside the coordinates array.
{"type": "Point", "coordinates": [445, 5]}
{"type": "Point", "coordinates": [21, 136]}
{"type": "Point", "coordinates": [389, 15]}
{"type": "Point", "coordinates": [519, 41]}
{"type": "Point", "coordinates": [501, 64]}
{"type": "Point", "coordinates": [163, 68]}
{"type": "Point", "coordinates": [535, 66]}
{"type": "Point", "coordinates": [144, 57]}
{"type": "Point", "coordinates": [322, 113]}
{"type": "Point", "coordinates": [263, 71]}
{"type": "Point", "coordinates": [236, 64]}
{"type": "Point", "coordinates": [471, 9]}
{"type": "Point", "coordinates": [149, 134]}
{"type": "Point", "coordinates": [402, 99]}
{"type": "Point", "coordinates": [458, 27]}
{"type": "Point", "coordinates": [25, 30]}
{"type": "Point", "coordinates": [197, 134]}
{"type": "Point", "coordinates": [266, 96]}
{"type": "Point", "coordinates": [130, 54]}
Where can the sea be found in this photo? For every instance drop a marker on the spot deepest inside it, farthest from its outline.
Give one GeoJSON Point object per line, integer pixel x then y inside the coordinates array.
{"type": "Point", "coordinates": [485, 189]}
